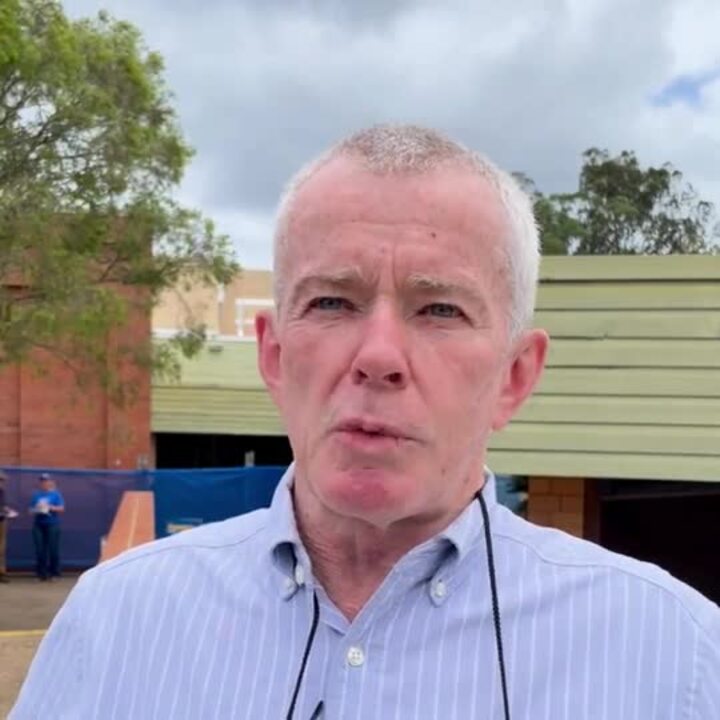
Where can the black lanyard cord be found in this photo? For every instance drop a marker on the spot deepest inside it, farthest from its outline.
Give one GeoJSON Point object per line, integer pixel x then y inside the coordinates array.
{"type": "Point", "coordinates": [496, 620]}
{"type": "Point", "coordinates": [495, 602]}
{"type": "Point", "coordinates": [306, 654]}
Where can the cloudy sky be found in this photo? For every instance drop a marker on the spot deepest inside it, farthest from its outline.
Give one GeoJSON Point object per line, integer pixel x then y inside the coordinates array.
{"type": "Point", "coordinates": [263, 85]}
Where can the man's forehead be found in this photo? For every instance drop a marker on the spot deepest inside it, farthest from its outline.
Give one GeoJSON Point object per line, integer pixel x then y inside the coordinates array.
{"type": "Point", "coordinates": [444, 226]}
{"type": "Point", "coordinates": [420, 256]}
{"type": "Point", "coordinates": [345, 190]}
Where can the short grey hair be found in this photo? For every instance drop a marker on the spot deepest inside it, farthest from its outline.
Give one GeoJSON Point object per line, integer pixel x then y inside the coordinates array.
{"type": "Point", "coordinates": [409, 149]}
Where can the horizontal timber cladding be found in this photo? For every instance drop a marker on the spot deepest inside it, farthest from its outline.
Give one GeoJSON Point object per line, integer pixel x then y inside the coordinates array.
{"type": "Point", "coordinates": [605, 465]}
{"type": "Point", "coordinates": [641, 381]}
{"type": "Point", "coordinates": [223, 364]}
{"type": "Point", "coordinates": [599, 410]}
{"type": "Point", "coordinates": [632, 324]}
{"type": "Point", "coordinates": [645, 268]}
{"type": "Point", "coordinates": [221, 411]}
{"type": "Point", "coordinates": [628, 295]}
{"type": "Point", "coordinates": [638, 439]}
{"type": "Point", "coordinates": [671, 354]}
{"type": "Point", "coordinates": [632, 384]}
{"type": "Point", "coordinates": [631, 389]}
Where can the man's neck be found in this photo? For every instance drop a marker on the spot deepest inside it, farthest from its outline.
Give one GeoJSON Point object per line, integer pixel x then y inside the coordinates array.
{"type": "Point", "coordinates": [351, 558]}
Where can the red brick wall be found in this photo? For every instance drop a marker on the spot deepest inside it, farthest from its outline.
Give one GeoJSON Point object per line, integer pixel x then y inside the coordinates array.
{"type": "Point", "coordinates": [9, 415]}
{"type": "Point", "coordinates": [128, 429]}
{"type": "Point", "coordinates": [569, 504]}
{"type": "Point", "coordinates": [60, 424]}
{"type": "Point", "coordinates": [48, 420]}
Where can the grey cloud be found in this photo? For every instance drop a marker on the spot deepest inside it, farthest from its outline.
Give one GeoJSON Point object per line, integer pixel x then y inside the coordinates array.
{"type": "Point", "coordinates": [264, 86]}
{"type": "Point", "coordinates": [533, 106]}
{"type": "Point", "coordinates": [365, 14]}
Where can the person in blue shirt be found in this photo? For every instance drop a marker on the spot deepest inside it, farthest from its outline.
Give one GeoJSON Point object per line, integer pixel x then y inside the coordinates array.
{"type": "Point", "coordinates": [46, 505]}
{"type": "Point", "coordinates": [5, 513]}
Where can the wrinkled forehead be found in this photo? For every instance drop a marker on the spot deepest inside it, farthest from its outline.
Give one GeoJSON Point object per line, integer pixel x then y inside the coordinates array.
{"type": "Point", "coordinates": [450, 215]}
{"type": "Point", "coordinates": [453, 197]}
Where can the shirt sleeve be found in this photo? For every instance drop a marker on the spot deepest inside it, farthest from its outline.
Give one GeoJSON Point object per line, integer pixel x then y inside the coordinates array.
{"type": "Point", "coordinates": [59, 500]}
{"type": "Point", "coordinates": [54, 686]}
{"type": "Point", "coordinates": [707, 692]}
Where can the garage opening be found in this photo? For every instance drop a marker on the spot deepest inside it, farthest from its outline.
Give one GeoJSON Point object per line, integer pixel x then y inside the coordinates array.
{"type": "Point", "coordinates": [186, 450]}
{"type": "Point", "coordinates": [673, 524]}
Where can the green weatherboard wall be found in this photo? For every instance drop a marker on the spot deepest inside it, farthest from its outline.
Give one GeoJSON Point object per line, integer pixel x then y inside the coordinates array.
{"type": "Point", "coordinates": [632, 387]}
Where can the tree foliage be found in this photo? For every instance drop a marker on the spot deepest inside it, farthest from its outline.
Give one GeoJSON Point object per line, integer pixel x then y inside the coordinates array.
{"type": "Point", "coordinates": [90, 155]}
{"type": "Point", "coordinates": [622, 208]}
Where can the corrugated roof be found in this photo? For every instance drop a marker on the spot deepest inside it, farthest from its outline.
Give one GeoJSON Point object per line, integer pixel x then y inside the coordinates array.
{"type": "Point", "coordinates": [222, 364]}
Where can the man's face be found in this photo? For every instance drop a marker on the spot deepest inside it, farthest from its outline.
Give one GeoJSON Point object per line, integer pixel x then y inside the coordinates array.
{"type": "Point", "coordinates": [390, 358]}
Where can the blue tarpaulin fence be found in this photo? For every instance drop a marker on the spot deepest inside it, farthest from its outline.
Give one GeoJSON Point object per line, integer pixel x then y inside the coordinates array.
{"type": "Point", "coordinates": [185, 498]}
{"type": "Point", "coordinates": [182, 498]}
{"type": "Point", "coordinates": [91, 499]}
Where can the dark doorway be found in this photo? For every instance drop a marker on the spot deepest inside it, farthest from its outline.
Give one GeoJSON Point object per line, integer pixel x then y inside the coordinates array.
{"type": "Point", "coordinates": [180, 450]}
{"type": "Point", "coordinates": [674, 525]}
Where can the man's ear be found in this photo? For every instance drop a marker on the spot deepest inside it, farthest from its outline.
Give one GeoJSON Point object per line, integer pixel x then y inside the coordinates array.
{"type": "Point", "coordinates": [522, 375]}
{"type": "Point", "coordinates": [269, 352]}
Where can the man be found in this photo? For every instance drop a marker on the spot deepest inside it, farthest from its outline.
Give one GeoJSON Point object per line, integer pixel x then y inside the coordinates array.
{"type": "Point", "coordinates": [5, 513]}
{"type": "Point", "coordinates": [47, 504]}
{"type": "Point", "coordinates": [405, 272]}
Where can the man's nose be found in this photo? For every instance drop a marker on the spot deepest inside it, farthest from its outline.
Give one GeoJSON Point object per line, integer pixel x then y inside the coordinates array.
{"type": "Point", "coordinates": [381, 359]}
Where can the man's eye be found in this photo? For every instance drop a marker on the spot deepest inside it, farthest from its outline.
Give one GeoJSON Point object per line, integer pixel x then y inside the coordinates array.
{"type": "Point", "coordinates": [329, 303]}
{"type": "Point", "coordinates": [442, 310]}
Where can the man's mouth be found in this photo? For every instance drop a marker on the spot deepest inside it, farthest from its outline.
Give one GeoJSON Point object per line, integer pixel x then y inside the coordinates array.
{"type": "Point", "coordinates": [370, 434]}
{"type": "Point", "coordinates": [372, 427]}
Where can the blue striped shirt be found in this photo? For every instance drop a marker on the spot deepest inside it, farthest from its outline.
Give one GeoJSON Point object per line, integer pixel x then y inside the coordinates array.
{"type": "Point", "coordinates": [212, 623]}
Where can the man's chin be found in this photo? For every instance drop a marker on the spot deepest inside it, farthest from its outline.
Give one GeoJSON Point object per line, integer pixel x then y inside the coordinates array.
{"type": "Point", "coordinates": [366, 492]}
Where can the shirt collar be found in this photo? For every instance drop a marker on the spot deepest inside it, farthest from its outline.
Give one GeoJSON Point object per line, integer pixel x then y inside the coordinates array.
{"type": "Point", "coordinates": [449, 547]}
{"type": "Point", "coordinates": [465, 530]}
{"type": "Point", "coordinates": [286, 548]}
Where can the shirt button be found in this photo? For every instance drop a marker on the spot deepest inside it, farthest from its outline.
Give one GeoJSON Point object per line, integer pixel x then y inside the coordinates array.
{"type": "Point", "coordinates": [355, 656]}
{"type": "Point", "coordinates": [299, 574]}
{"type": "Point", "coordinates": [439, 590]}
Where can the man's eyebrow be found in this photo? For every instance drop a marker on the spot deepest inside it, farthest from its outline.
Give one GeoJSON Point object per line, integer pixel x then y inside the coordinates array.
{"type": "Point", "coordinates": [344, 277]}
{"type": "Point", "coordinates": [460, 285]}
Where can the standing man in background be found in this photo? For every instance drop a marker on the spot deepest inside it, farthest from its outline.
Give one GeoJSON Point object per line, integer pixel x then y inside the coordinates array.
{"type": "Point", "coordinates": [47, 504]}
{"type": "Point", "coordinates": [5, 513]}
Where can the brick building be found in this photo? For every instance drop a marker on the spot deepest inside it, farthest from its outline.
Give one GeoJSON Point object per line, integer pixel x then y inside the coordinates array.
{"type": "Point", "coordinates": [227, 311]}
{"type": "Point", "coordinates": [47, 419]}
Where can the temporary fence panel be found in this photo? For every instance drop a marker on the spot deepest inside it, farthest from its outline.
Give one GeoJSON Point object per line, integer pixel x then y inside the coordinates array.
{"type": "Point", "coordinates": [185, 498]}
{"type": "Point", "coordinates": [91, 500]}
